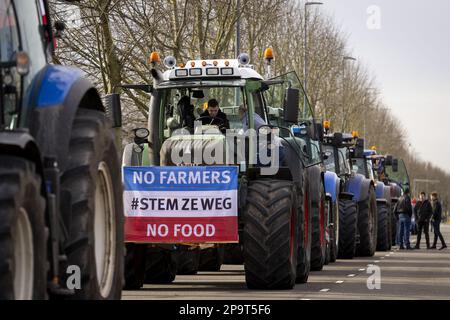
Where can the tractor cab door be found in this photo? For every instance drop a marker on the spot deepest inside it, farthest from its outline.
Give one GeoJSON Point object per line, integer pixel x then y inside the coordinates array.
{"type": "Point", "coordinates": [276, 93]}
{"type": "Point", "coordinates": [398, 173]}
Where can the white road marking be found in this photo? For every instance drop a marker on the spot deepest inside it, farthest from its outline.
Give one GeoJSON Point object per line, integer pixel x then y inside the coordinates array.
{"type": "Point", "coordinates": [351, 275]}
{"type": "Point", "coordinates": [376, 261]}
{"type": "Point", "coordinates": [324, 290]}
{"type": "Point", "coordinates": [362, 269]}
{"type": "Point", "coordinates": [339, 281]}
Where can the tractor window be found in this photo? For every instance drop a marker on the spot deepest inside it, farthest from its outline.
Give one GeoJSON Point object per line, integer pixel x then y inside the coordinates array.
{"type": "Point", "coordinates": [343, 163]}
{"type": "Point", "coordinates": [33, 43]}
{"type": "Point", "coordinates": [330, 160]}
{"type": "Point", "coordinates": [181, 106]}
{"type": "Point", "coordinates": [275, 98]}
{"type": "Point", "coordinates": [9, 45]}
{"type": "Point", "coordinates": [370, 169]}
{"type": "Point", "coordinates": [359, 163]}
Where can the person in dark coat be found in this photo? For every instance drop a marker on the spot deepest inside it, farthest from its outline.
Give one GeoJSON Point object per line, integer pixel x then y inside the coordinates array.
{"type": "Point", "coordinates": [436, 221]}
{"type": "Point", "coordinates": [404, 212]}
{"type": "Point", "coordinates": [424, 211]}
{"type": "Point", "coordinates": [213, 115]}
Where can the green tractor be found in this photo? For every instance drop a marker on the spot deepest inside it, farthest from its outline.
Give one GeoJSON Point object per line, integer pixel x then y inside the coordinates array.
{"type": "Point", "coordinates": [270, 216]}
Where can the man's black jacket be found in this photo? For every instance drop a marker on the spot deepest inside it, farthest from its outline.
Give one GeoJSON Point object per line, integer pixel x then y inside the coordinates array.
{"type": "Point", "coordinates": [437, 212]}
{"type": "Point", "coordinates": [423, 210]}
{"type": "Point", "coordinates": [221, 115]}
{"type": "Point", "coordinates": [404, 206]}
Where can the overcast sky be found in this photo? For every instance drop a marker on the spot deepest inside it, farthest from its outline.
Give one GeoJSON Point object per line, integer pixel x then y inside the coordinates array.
{"type": "Point", "coordinates": [408, 50]}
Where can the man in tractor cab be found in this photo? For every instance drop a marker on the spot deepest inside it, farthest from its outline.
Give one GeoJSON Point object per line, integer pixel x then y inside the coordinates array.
{"type": "Point", "coordinates": [214, 116]}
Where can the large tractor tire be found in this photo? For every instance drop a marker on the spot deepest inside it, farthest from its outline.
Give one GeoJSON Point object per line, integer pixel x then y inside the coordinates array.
{"type": "Point", "coordinates": [304, 233]}
{"type": "Point", "coordinates": [233, 254]}
{"type": "Point", "coordinates": [211, 259]}
{"type": "Point", "coordinates": [367, 226]}
{"type": "Point", "coordinates": [160, 266]}
{"type": "Point", "coordinates": [135, 266]}
{"type": "Point", "coordinates": [348, 228]}
{"type": "Point", "coordinates": [93, 180]}
{"type": "Point", "coordinates": [188, 261]}
{"type": "Point", "coordinates": [23, 233]}
{"type": "Point", "coordinates": [270, 234]}
{"type": "Point", "coordinates": [318, 225]}
{"type": "Point", "coordinates": [334, 236]}
{"type": "Point", "coordinates": [383, 242]}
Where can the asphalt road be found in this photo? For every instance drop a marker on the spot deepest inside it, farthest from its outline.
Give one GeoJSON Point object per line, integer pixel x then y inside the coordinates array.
{"type": "Point", "coordinates": [416, 274]}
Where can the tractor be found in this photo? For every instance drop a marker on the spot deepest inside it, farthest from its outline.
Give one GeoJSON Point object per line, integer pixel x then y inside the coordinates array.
{"type": "Point", "coordinates": [61, 209]}
{"type": "Point", "coordinates": [385, 166]}
{"type": "Point", "coordinates": [351, 197]}
{"type": "Point", "coordinates": [270, 220]}
{"type": "Point", "coordinates": [364, 163]}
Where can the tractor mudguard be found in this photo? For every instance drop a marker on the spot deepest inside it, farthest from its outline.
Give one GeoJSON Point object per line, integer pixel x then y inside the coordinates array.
{"type": "Point", "coordinates": [56, 94]}
{"type": "Point", "coordinates": [359, 186]}
{"type": "Point", "coordinates": [20, 143]}
{"type": "Point", "coordinates": [332, 185]}
{"type": "Point", "coordinates": [346, 195]}
{"type": "Point", "coordinates": [379, 191]}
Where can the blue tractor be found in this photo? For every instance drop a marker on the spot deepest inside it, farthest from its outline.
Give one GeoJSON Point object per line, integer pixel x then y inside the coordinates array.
{"type": "Point", "coordinates": [352, 200]}
{"type": "Point", "coordinates": [393, 173]}
{"type": "Point", "coordinates": [365, 164]}
{"type": "Point", "coordinates": [61, 211]}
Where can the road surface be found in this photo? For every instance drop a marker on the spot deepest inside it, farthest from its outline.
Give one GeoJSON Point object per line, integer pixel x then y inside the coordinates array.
{"type": "Point", "coordinates": [416, 274]}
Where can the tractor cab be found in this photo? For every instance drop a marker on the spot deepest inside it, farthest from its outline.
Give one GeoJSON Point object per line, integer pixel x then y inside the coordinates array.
{"type": "Point", "coordinates": [340, 150]}
{"type": "Point", "coordinates": [249, 106]}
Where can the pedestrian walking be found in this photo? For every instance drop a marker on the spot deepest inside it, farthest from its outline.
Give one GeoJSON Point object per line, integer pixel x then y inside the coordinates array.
{"type": "Point", "coordinates": [404, 211]}
{"type": "Point", "coordinates": [424, 211]}
{"type": "Point", "coordinates": [436, 221]}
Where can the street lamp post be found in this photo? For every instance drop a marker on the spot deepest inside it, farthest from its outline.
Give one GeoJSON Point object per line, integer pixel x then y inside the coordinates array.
{"type": "Point", "coordinates": [305, 53]}
{"type": "Point", "coordinates": [343, 89]}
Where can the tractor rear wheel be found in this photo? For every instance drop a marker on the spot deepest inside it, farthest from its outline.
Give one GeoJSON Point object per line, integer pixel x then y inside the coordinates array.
{"type": "Point", "coordinates": [211, 259]}
{"type": "Point", "coordinates": [383, 228]}
{"type": "Point", "coordinates": [304, 233]}
{"type": "Point", "coordinates": [135, 266]}
{"type": "Point", "coordinates": [318, 225]}
{"type": "Point", "coordinates": [333, 231]}
{"type": "Point", "coordinates": [233, 254]}
{"type": "Point", "coordinates": [96, 235]}
{"type": "Point", "coordinates": [348, 228]}
{"type": "Point", "coordinates": [271, 234]}
{"type": "Point", "coordinates": [23, 233]}
{"type": "Point", "coordinates": [188, 261]}
{"type": "Point", "coordinates": [160, 266]}
{"type": "Point", "coordinates": [367, 226]}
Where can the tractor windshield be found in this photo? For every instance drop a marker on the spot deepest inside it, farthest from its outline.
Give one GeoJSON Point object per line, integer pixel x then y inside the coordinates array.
{"type": "Point", "coordinates": [360, 164]}
{"type": "Point", "coordinates": [184, 103]}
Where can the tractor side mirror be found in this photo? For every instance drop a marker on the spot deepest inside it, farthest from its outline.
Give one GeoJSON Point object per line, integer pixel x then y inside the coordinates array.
{"type": "Point", "coordinates": [359, 148]}
{"type": "Point", "coordinates": [337, 139]}
{"type": "Point", "coordinates": [388, 161]}
{"type": "Point", "coordinates": [113, 109]}
{"type": "Point", "coordinates": [291, 105]}
{"type": "Point", "coordinates": [395, 165]}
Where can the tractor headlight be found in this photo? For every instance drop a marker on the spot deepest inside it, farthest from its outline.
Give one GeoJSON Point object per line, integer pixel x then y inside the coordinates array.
{"type": "Point", "coordinates": [141, 133]}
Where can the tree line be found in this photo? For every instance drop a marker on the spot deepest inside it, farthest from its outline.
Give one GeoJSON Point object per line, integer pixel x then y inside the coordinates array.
{"type": "Point", "coordinates": [111, 40]}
